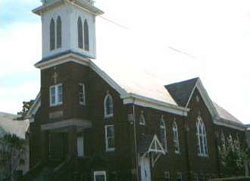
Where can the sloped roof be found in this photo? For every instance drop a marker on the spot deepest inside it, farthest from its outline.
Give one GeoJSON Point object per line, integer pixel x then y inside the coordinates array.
{"type": "Point", "coordinates": [126, 79]}
{"type": "Point", "coordinates": [225, 115]}
{"type": "Point", "coordinates": [8, 125]}
{"type": "Point", "coordinates": [181, 91]}
{"type": "Point", "coordinates": [137, 81]}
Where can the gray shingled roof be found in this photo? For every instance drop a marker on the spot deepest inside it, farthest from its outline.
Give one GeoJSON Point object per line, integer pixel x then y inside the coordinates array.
{"type": "Point", "coordinates": [181, 91]}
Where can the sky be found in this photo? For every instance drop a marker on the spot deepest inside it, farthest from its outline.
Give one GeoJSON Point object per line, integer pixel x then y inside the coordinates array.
{"type": "Point", "coordinates": [173, 40]}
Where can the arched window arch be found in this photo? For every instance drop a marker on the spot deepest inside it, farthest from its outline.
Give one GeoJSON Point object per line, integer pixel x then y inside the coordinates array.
{"type": "Point", "coordinates": [142, 120]}
{"type": "Point", "coordinates": [52, 34]}
{"type": "Point", "coordinates": [79, 31]}
{"type": "Point", "coordinates": [163, 133]}
{"type": "Point", "coordinates": [58, 32]}
{"type": "Point", "coordinates": [108, 106]}
{"type": "Point", "coordinates": [201, 137]}
{"type": "Point", "coordinates": [176, 138]}
{"type": "Point", "coordinates": [86, 35]}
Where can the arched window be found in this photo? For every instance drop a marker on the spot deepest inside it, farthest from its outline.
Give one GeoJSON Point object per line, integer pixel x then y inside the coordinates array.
{"type": "Point", "coordinates": [108, 106]}
{"type": "Point", "coordinates": [79, 29]}
{"type": "Point", "coordinates": [201, 137]}
{"type": "Point", "coordinates": [163, 133]}
{"type": "Point", "coordinates": [52, 34]}
{"type": "Point", "coordinates": [58, 32]}
{"type": "Point", "coordinates": [86, 35]}
{"type": "Point", "coordinates": [142, 119]}
{"type": "Point", "coordinates": [176, 138]}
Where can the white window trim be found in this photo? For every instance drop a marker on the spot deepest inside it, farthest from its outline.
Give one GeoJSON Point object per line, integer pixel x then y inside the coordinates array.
{"type": "Point", "coordinates": [106, 138]}
{"type": "Point", "coordinates": [142, 120]}
{"type": "Point", "coordinates": [203, 136]}
{"type": "Point", "coordinates": [176, 138]}
{"type": "Point", "coordinates": [96, 173]}
{"type": "Point", "coordinates": [163, 127]}
{"type": "Point", "coordinates": [105, 108]}
{"type": "Point", "coordinates": [57, 103]}
{"type": "Point", "coordinates": [83, 93]}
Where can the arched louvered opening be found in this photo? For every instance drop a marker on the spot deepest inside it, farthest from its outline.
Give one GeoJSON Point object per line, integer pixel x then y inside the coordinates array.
{"type": "Point", "coordinates": [80, 35]}
{"type": "Point", "coordinates": [86, 35]}
{"type": "Point", "coordinates": [59, 32]}
{"type": "Point", "coordinates": [201, 137]}
{"type": "Point", "coordinates": [52, 34]}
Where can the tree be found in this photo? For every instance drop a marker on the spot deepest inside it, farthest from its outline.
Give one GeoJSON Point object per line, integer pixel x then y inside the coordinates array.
{"type": "Point", "coordinates": [232, 158]}
{"type": "Point", "coordinates": [12, 151]}
{"type": "Point", "coordinates": [26, 106]}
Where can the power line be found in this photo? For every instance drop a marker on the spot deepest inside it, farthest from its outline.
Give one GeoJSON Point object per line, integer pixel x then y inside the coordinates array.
{"type": "Point", "coordinates": [115, 23]}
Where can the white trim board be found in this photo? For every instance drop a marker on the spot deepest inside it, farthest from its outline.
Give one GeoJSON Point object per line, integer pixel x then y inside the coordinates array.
{"type": "Point", "coordinates": [209, 104]}
{"type": "Point", "coordinates": [127, 97]}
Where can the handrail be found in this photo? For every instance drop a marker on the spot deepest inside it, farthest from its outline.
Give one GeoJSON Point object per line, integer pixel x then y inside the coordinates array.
{"type": "Point", "coordinates": [61, 169]}
{"type": "Point", "coordinates": [33, 169]}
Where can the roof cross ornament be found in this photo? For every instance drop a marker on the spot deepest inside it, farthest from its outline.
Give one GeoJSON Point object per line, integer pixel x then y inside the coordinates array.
{"type": "Point", "coordinates": [55, 77]}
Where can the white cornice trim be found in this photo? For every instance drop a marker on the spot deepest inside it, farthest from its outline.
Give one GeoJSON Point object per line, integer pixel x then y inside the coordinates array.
{"type": "Point", "coordinates": [71, 57]}
{"type": "Point", "coordinates": [66, 124]}
{"type": "Point", "coordinates": [47, 6]}
{"type": "Point", "coordinates": [127, 98]}
{"type": "Point", "coordinates": [152, 103]}
{"type": "Point", "coordinates": [82, 5]}
{"type": "Point", "coordinates": [220, 122]}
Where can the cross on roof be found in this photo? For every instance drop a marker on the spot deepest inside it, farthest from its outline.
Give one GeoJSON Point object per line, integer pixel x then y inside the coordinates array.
{"type": "Point", "coordinates": [55, 77]}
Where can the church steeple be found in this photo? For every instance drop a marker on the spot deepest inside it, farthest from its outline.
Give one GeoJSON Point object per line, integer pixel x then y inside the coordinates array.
{"type": "Point", "coordinates": [68, 26]}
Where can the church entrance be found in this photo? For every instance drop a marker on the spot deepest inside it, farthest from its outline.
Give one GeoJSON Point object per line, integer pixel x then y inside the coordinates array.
{"type": "Point", "coordinates": [58, 145]}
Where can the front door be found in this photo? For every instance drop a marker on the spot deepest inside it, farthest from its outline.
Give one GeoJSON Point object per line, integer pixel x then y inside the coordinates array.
{"type": "Point", "coordinates": [145, 169]}
{"type": "Point", "coordinates": [57, 145]}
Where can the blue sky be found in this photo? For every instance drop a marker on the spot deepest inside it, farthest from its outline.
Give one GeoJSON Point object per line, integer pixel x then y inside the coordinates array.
{"type": "Point", "coordinates": [215, 33]}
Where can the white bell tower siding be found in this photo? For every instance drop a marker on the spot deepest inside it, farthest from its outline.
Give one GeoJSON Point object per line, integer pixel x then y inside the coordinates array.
{"type": "Point", "coordinates": [69, 13]}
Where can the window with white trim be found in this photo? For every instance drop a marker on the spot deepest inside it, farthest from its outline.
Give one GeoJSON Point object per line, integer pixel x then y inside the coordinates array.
{"type": "Point", "coordinates": [201, 137]}
{"type": "Point", "coordinates": [82, 100]}
{"type": "Point", "coordinates": [99, 176]}
{"type": "Point", "coordinates": [110, 137]}
{"type": "Point", "coordinates": [56, 95]}
{"type": "Point", "coordinates": [176, 138]}
{"type": "Point", "coordinates": [179, 176]}
{"type": "Point", "coordinates": [142, 119]}
{"type": "Point", "coordinates": [108, 106]}
{"type": "Point", "coordinates": [167, 176]}
{"type": "Point", "coordinates": [163, 133]}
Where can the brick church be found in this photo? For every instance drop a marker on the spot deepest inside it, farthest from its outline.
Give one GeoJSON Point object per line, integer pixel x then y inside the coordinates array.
{"type": "Point", "coordinates": [88, 125]}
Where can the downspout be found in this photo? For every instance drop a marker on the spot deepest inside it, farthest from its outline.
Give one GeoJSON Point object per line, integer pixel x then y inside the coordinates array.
{"type": "Point", "coordinates": [135, 142]}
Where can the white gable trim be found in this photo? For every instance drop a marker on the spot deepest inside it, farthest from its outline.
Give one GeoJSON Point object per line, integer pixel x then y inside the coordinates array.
{"type": "Point", "coordinates": [34, 108]}
{"type": "Point", "coordinates": [209, 104]}
{"type": "Point", "coordinates": [152, 103]}
{"type": "Point", "coordinates": [127, 97]}
{"type": "Point", "coordinates": [205, 97]}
